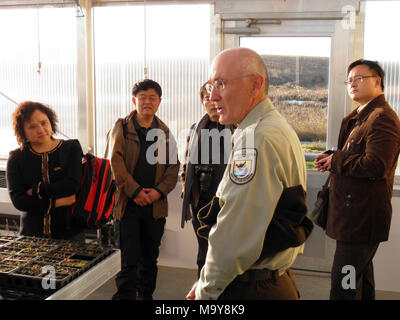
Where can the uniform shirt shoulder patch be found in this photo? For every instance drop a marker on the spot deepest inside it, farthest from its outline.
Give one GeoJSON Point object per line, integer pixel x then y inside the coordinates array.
{"type": "Point", "coordinates": [243, 166]}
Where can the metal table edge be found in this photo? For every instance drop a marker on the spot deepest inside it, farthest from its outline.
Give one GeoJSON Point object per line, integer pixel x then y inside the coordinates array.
{"type": "Point", "coordinates": [91, 280]}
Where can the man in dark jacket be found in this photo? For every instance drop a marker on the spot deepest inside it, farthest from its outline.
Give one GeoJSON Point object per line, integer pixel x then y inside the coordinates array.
{"type": "Point", "coordinates": [144, 176]}
{"type": "Point", "coordinates": [362, 174]}
{"type": "Point", "coordinates": [207, 152]}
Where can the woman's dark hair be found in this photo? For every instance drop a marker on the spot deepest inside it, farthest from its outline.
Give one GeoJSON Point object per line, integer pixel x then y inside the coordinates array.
{"type": "Point", "coordinates": [372, 65]}
{"type": "Point", "coordinates": [144, 85]}
{"type": "Point", "coordinates": [203, 91]}
{"type": "Point", "coordinates": [23, 113]}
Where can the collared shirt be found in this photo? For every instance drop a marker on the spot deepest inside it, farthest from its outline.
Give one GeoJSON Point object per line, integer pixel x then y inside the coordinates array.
{"type": "Point", "coordinates": [362, 107]}
{"type": "Point", "coordinates": [248, 198]}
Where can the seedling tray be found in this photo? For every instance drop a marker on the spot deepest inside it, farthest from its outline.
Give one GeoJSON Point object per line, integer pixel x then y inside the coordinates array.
{"type": "Point", "coordinates": [30, 277]}
{"type": "Point", "coordinates": [22, 260]}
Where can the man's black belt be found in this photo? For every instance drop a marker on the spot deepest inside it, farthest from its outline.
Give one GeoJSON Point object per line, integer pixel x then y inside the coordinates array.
{"type": "Point", "coordinates": [257, 275]}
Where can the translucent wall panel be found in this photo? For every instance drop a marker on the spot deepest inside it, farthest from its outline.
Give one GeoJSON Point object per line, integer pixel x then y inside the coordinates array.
{"type": "Point", "coordinates": [381, 32]}
{"type": "Point", "coordinates": [28, 36]}
{"type": "Point", "coordinates": [175, 47]}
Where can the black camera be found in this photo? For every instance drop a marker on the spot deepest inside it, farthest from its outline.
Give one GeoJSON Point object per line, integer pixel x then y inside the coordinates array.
{"type": "Point", "coordinates": [205, 174]}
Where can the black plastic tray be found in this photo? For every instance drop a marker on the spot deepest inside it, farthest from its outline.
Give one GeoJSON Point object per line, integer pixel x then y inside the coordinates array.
{"type": "Point", "coordinates": [17, 279]}
{"type": "Point", "coordinates": [52, 253]}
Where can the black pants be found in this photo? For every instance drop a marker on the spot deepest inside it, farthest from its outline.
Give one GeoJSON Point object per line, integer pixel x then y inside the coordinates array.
{"type": "Point", "coordinates": [140, 238]}
{"type": "Point", "coordinates": [202, 248]}
{"type": "Point", "coordinates": [61, 225]}
{"type": "Point", "coordinates": [202, 243]}
{"type": "Point", "coordinates": [350, 257]}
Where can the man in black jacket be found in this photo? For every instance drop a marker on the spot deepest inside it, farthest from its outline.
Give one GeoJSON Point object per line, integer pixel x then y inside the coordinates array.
{"type": "Point", "coordinates": [207, 153]}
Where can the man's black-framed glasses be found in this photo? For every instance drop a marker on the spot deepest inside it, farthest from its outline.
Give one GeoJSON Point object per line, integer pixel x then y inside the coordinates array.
{"type": "Point", "coordinates": [357, 79]}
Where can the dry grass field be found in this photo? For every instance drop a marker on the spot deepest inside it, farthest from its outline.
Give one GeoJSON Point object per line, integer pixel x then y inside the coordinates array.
{"type": "Point", "coordinates": [303, 109]}
{"type": "Point", "coordinates": [299, 90]}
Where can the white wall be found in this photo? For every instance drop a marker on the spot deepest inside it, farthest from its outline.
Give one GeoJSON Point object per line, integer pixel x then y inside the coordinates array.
{"type": "Point", "coordinates": [387, 258]}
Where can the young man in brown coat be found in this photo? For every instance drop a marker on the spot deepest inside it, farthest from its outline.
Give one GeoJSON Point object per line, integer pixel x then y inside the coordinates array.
{"type": "Point", "coordinates": [362, 174]}
{"type": "Point", "coordinates": [145, 166]}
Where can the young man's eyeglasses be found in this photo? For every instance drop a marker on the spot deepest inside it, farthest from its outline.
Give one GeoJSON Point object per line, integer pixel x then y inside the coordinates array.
{"type": "Point", "coordinates": [357, 79]}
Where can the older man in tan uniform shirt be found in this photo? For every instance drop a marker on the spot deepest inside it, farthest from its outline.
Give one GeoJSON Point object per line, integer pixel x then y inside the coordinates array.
{"type": "Point", "coordinates": [266, 159]}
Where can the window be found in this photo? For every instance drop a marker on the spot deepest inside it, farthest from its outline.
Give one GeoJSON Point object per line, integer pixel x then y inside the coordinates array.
{"type": "Point", "coordinates": [176, 48]}
{"type": "Point", "coordinates": [27, 37]}
{"type": "Point", "coordinates": [298, 70]}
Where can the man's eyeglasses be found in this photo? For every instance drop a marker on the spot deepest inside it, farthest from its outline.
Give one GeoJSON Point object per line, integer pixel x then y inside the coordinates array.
{"type": "Point", "coordinates": [219, 84]}
{"type": "Point", "coordinates": [143, 98]}
{"type": "Point", "coordinates": [357, 79]}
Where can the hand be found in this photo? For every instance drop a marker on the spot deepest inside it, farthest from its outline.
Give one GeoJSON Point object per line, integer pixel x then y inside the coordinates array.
{"type": "Point", "coordinates": [142, 199]}
{"type": "Point", "coordinates": [29, 192]}
{"type": "Point", "coordinates": [323, 162]}
{"type": "Point", "coordinates": [192, 293]}
{"type": "Point", "coordinates": [66, 201]}
{"type": "Point", "coordinates": [153, 194]}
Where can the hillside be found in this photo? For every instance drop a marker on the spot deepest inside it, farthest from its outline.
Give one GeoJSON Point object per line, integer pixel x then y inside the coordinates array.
{"type": "Point", "coordinates": [313, 71]}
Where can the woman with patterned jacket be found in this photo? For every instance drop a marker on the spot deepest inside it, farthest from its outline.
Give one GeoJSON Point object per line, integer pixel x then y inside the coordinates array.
{"type": "Point", "coordinates": [44, 174]}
